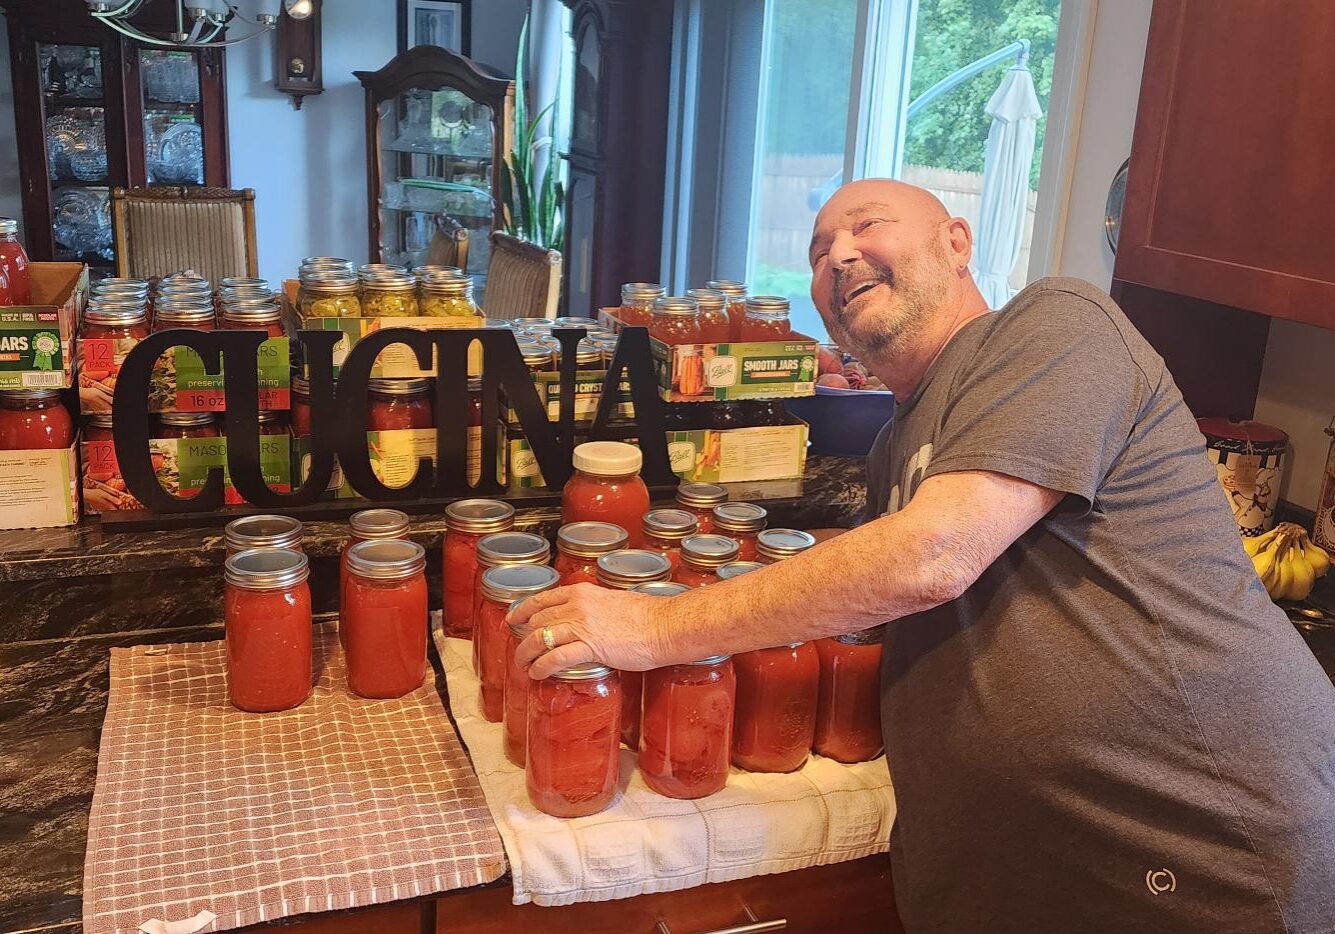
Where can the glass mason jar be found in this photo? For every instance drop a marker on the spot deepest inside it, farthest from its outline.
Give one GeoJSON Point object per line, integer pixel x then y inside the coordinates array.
{"type": "Point", "coordinates": [701, 498]}
{"type": "Point", "coordinates": [766, 319]}
{"type": "Point", "coordinates": [537, 357]}
{"type": "Point", "coordinates": [630, 569]}
{"type": "Point", "coordinates": [743, 522]}
{"type": "Point", "coordinates": [588, 355]}
{"type": "Point", "coordinates": [365, 526]}
{"type": "Point", "coordinates": [497, 549]}
{"type": "Point", "coordinates": [118, 321]}
{"type": "Point", "coordinates": [267, 613]}
{"type": "Point", "coordinates": [388, 295]}
{"type": "Point", "coordinates": [187, 425]}
{"type": "Point", "coordinates": [263, 532]}
{"type": "Point", "coordinates": [579, 545]}
{"type": "Point", "coordinates": [675, 320]}
{"type": "Point", "coordinates": [775, 720]}
{"type": "Point", "coordinates": [329, 293]}
{"type": "Point", "coordinates": [735, 292]}
{"type": "Point", "coordinates": [430, 270]}
{"type": "Point", "coordinates": [99, 427]}
{"type": "Point", "coordinates": [701, 558]}
{"type": "Point", "coordinates": [848, 713]}
{"type": "Point", "coordinates": [572, 756]}
{"type": "Point", "coordinates": [34, 420]}
{"type": "Point", "coordinates": [327, 265]}
{"type": "Point", "coordinates": [197, 316]}
{"type": "Point", "coordinates": [399, 403]}
{"type": "Point", "coordinates": [514, 697]}
{"type": "Point", "coordinates": [272, 423]}
{"type": "Point", "coordinates": [737, 569]}
{"type": "Point", "coordinates": [301, 407]}
{"type": "Point", "coordinates": [715, 328]}
{"type": "Point", "coordinates": [663, 530]}
{"type": "Point", "coordinates": [501, 586]}
{"type": "Point", "coordinates": [254, 315]}
{"type": "Point", "coordinates": [446, 296]}
{"type": "Point", "coordinates": [637, 302]}
{"type": "Point", "coordinates": [778, 544]}
{"type": "Point", "coordinates": [686, 735]}
{"type": "Point", "coordinates": [606, 486]}
{"type": "Point", "coordinates": [466, 522]}
{"type": "Point", "coordinates": [383, 617]}
{"type": "Point", "coordinates": [14, 263]}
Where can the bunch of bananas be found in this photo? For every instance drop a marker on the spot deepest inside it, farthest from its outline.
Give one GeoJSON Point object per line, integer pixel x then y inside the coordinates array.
{"type": "Point", "coordinates": [1287, 561]}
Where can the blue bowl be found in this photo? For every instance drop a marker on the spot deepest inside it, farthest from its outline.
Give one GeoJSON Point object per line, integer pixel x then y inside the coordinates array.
{"type": "Point", "coordinates": [844, 421]}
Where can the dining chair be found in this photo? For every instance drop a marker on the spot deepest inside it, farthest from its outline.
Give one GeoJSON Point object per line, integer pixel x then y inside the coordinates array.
{"type": "Point", "coordinates": [523, 279]}
{"type": "Point", "coordinates": [449, 243]}
{"type": "Point", "coordinates": [165, 229]}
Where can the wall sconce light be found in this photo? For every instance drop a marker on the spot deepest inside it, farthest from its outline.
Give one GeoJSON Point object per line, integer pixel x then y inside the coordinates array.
{"type": "Point", "coordinates": [299, 50]}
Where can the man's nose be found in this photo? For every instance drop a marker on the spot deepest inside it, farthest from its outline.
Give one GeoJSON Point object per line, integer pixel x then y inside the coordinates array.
{"type": "Point", "coordinates": [843, 249]}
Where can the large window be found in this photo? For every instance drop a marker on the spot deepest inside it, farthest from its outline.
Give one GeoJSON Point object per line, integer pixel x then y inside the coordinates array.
{"type": "Point", "coordinates": [947, 94]}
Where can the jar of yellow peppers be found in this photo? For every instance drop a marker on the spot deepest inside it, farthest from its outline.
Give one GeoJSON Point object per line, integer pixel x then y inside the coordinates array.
{"type": "Point", "coordinates": [389, 295]}
{"type": "Point", "coordinates": [328, 294]}
{"type": "Point", "coordinates": [446, 296]}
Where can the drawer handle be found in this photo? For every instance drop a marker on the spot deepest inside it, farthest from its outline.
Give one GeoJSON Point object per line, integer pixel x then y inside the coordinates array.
{"type": "Point", "coordinates": [753, 927]}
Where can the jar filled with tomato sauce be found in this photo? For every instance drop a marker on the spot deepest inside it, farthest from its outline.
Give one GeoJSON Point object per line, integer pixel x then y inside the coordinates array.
{"type": "Point", "coordinates": [267, 613]}
{"type": "Point", "coordinates": [194, 315]}
{"type": "Point", "coordinates": [735, 292]}
{"type": "Point", "coordinates": [629, 569]}
{"type": "Point", "coordinates": [572, 755]}
{"type": "Point", "coordinates": [737, 569]}
{"type": "Point", "coordinates": [664, 530]}
{"type": "Point", "coordinates": [686, 735]}
{"type": "Point", "coordinates": [383, 617]}
{"type": "Point", "coordinates": [743, 522]}
{"type": "Point", "coordinates": [700, 499]}
{"type": "Point", "coordinates": [637, 302]}
{"type": "Point", "coordinates": [715, 328]}
{"type": "Point", "coordinates": [503, 548]}
{"type": "Point", "coordinates": [263, 532]}
{"type": "Point", "coordinates": [466, 522]}
{"type": "Point", "coordinates": [775, 719]}
{"type": "Point", "coordinates": [701, 558]}
{"type": "Point", "coordinates": [515, 696]}
{"type": "Point", "coordinates": [766, 319]}
{"type": "Point", "coordinates": [501, 587]}
{"type": "Point", "coordinates": [254, 315]}
{"type": "Point", "coordinates": [118, 321]}
{"type": "Point", "coordinates": [187, 425]}
{"type": "Point", "coordinates": [14, 264]}
{"type": "Point", "coordinates": [272, 423]}
{"type": "Point", "coordinates": [98, 428]}
{"type": "Point", "coordinates": [579, 545]}
{"type": "Point", "coordinates": [774, 545]}
{"type": "Point", "coordinates": [399, 403]}
{"type": "Point", "coordinates": [675, 320]}
{"type": "Point", "coordinates": [366, 526]}
{"type": "Point", "coordinates": [34, 420]}
{"type": "Point", "coordinates": [848, 712]}
{"type": "Point", "coordinates": [301, 407]}
{"type": "Point", "coordinates": [606, 486]}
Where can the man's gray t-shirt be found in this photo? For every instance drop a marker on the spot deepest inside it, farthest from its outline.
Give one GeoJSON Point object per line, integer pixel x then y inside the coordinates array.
{"type": "Point", "coordinates": [1114, 728]}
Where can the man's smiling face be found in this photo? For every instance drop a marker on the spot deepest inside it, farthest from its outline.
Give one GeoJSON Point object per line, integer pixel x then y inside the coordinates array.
{"type": "Point", "coordinates": [880, 267]}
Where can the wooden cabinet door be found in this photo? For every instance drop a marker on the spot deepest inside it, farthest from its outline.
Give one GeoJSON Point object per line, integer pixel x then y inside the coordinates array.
{"type": "Point", "coordinates": [1231, 194]}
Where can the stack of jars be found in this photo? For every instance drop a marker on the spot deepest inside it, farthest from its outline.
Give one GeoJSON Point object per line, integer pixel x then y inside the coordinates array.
{"type": "Point", "coordinates": [718, 313]}
{"type": "Point", "coordinates": [331, 287]}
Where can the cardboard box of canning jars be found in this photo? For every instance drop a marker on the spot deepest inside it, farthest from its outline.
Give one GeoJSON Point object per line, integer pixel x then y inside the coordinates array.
{"type": "Point", "coordinates": [37, 340]}
{"type": "Point", "coordinates": [729, 372]}
{"type": "Point", "coordinates": [395, 360]}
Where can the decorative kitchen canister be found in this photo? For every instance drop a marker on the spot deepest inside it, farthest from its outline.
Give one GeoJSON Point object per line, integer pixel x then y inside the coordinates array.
{"type": "Point", "coordinates": [1249, 459]}
{"type": "Point", "coordinates": [1323, 530]}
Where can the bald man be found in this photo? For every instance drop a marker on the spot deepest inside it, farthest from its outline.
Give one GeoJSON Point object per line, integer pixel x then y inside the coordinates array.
{"type": "Point", "coordinates": [1095, 718]}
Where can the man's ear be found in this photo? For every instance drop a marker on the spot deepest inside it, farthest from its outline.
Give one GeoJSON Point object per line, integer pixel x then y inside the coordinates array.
{"type": "Point", "coordinates": [959, 243]}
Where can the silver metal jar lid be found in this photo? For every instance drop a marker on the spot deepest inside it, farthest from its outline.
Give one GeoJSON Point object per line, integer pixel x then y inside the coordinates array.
{"type": "Point", "coordinates": [326, 261]}
{"type": "Point", "coordinates": [864, 637]}
{"type": "Point", "coordinates": [590, 672]}
{"type": "Point", "coordinates": [676, 306]}
{"type": "Point", "coordinates": [517, 629]}
{"type": "Point", "coordinates": [711, 660]}
{"type": "Point", "coordinates": [8, 225]}
{"type": "Point", "coordinates": [404, 386]}
{"type": "Point", "coordinates": [186, 419]}
{"type": "Point", "coordinates": [114, 314]}
{"type": "Point", "coordinates": [507, 583]}
{"type": "Point", "coordinates": [628, 567]}
{"type": "Point", "coordinates": [670, 524]}
{"type": "Point", "coordinates": [737, 569]}
{"type": "Point", "coordinates": [783, 543]}
{"type": "Point", "coordinates": [100, 420]}
{"type": "Point", "coordinates": [590, 539]}
{"type": "Point", "coordinates": [729, 287]}
{"type": "Point", "coordinates": [117, 281]}
{"type": "Point", "coordinates": [586, 351]}
{"type": "Point", "coordinates": [641, 293]}
{"type": "Point", "coordinates": [386, 559]}
{"type": "Point", "coordinates": [709, 551]}
{"type": "Point", "coordinates": [262, 532]}
{"type": "Point", "coordinates": [266, 568]}
{"type": "Point", "coordinates": [435, 269]}
{"type": "Point", "coordinates": [187, 315]}
{"type": "Point", "coordinates": [536, 356]}
{"type": "Point", "coordinates": [574, 321]}
{"type": "Point", "coordinates": [701, 495]}
{"type": "Point", "coordinates": [661, 588]}
{"type": "Point", "coordinates": [301, 386]}
{"type": "Point", "coordinates": [234, 282]}
{"type": "Point", "coordinates": [512, 548]}
{"type": "Point", "coordinates": [389, 282]}
{"type": "Point", "coordinates": [329, 282]}
{"type": "Point", "coordinates": [708, 299]}
{"type": "Point", "coordinates": [775, 306]}
{"type": "Point", "coordinates": [543, 323]}
{"type": "Point", "coordinates": [454, 286]}
{"type": "Point", "coordinates": [252, 313]}
{"type": "Point", "coordinates": [31, 395]}
{"type": "Point", "coordinates": [739, 517]}
{"type": "Point", "coordinates": [379, 523]}
{"type": "Point", "coordinates": [479, 516]}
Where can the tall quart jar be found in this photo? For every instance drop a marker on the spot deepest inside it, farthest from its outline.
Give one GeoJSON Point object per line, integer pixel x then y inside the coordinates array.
{"type": "Point", "coordinates": [774, 545]}
{"type": "Point", "coordinates": [701, 558]}
{"type": "Point", "coordinates": [637, 302]}
{"type": "Point", "coordinates": [263, 532]}
{"type": "Point", "coordinates": [606, 486]}
{"type": "Point", "coordinates": [365, 526]}
{"type": "Point", "coordinates": [572, 754]}
{"type": "Point", "coordinates": [700, 499]}
{"type": "Point", "coordinates": [267, 612]}
{"type": "Point", "coordinates": [775, 719]}
{"type": "Point", "coordinates": [495, 550]}
{"type": "Point", "coordinates": [686, 734]}
{"type": "Point", "coordinates": [627, 570]}
{"type": "Point", "coordinates": [848, 713]}
{"type": "Point", "coordinates": [502, 586]}
{"type": "Point", "coordinates": [579, 545]}
{"type": "Point", "coordinates": [743, 522]}
{"type": "Point", "coordinates": [383, 617]}
{"type": "Point", "coordinates": [34, 420]}
{"type": "Point", "coordinates": [466, 522]}
{"type": "Point", "coordinates": [715, 328]}
{"type": "Point", "coordinates": [664, 530]}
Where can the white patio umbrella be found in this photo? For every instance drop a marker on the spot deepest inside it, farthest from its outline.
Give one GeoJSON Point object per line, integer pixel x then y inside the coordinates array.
{"type": "Point", "coordinates": [1014, 110]}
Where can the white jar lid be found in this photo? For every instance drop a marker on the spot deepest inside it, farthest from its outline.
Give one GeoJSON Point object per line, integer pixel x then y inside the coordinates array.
{"type": "Point", "coordinates": [608, 458]}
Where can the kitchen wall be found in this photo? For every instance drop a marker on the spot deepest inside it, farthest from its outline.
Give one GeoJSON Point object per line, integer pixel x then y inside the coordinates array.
{"type": "Point", "coordinates": [1297, 394]}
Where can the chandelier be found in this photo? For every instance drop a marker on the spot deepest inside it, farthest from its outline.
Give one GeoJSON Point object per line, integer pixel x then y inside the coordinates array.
{"type": "Point", "coordinates": [199, 23]}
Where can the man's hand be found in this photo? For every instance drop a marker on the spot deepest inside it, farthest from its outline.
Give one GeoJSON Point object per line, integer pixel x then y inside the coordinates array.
{"type": "Point", "coordinates": [589, 624]}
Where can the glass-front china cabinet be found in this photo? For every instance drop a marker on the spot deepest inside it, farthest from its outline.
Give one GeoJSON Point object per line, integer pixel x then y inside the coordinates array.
{"type": "Point", "coordinates": [438, 128]}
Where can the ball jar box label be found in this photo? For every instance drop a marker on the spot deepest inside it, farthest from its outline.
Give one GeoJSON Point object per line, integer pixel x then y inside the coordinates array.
{"type": "Point", "coordinates": [37, 340]}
